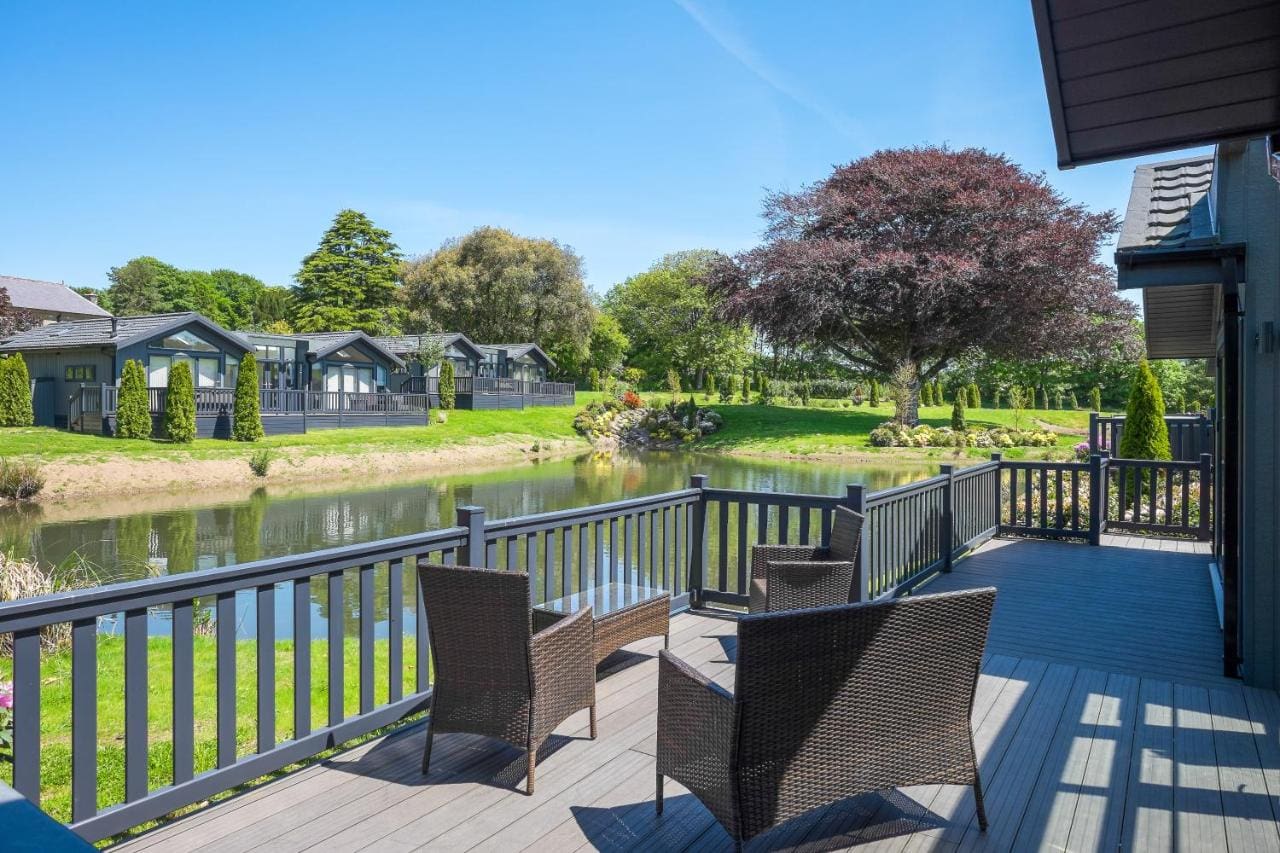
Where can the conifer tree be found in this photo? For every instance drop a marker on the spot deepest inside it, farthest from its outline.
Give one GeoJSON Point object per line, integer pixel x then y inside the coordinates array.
{"type": "Point", "coordinates": [975, 396]}
{"type": "Point", "coordinates": [448, 386]}
{"type": "Point", "coordinates": [246, 423]}
{"type": "Point", "coordinates": [957, 411]}
{"type": "Point", "coordinates": [874, 399]}
{"type": "Point", "coordinates": [351, 280]}
{"type": "Point", "coordinates": [1095, 398]}
{"type": "Point", "coordinates": [1145, 434]}
{"type": "Point", "coordinates": [926, 394]}
{"type": "Point", "coordinates": [133, 408]}
{"type": "Point", "coordinates": [15, 392]}
{"type": "Point", "coordinates": [180, 404]}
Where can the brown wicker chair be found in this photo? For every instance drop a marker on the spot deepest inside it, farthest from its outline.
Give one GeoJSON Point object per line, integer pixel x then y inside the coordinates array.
{"type": "Point", "coordinates": [791, 577]}
{"type": "Point", "coordinates": [828, 703]}
{"type": "Point", "coordinates": [493, 675]}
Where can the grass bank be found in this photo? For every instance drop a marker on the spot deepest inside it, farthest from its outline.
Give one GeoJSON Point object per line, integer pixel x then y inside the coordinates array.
{"type": "Point", "coordinates": [55, 708]}
{"type": "Point", "coordinates": [78, 466]}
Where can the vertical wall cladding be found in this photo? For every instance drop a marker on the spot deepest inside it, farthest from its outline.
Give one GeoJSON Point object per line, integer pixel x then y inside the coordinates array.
{"type": "Point", "coordinates": [1249, 212]}
{"type": "Point", "coordinates": [54, 364]}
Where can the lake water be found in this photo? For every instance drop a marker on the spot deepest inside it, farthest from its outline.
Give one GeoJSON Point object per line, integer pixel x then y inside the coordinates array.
{"type": "Point", "coordinates": [125, 537]}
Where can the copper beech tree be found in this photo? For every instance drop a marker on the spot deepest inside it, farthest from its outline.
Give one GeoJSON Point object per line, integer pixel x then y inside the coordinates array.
{"type": "Point", "coordinates": [907, 259]}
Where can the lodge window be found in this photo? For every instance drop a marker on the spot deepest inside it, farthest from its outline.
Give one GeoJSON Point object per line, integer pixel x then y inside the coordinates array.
{"type": "Point", "coordinates": [183, 340]}
{"type": "Point", "coordinates": [81, 373]}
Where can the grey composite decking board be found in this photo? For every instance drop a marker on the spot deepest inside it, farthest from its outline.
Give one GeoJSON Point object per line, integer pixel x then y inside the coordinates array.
{"type": "Point", "coordinates": [1072, 756]}
{"type": "Point", "coordinates": [1060, 601]}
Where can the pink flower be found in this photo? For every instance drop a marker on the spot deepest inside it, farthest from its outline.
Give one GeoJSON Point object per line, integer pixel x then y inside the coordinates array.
{"type": "Point", "coordinates": [6, 694]}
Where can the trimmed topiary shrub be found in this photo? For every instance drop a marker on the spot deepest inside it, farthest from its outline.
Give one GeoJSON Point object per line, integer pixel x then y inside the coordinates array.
{"type": "Point", "coordinates": [873, 398]}
{"type": "Point", "coordinates": [926, 394]}
{"type": "Point", "coordinates": [1057, 400]}
{"type": "Point", "coordinates": [1095, 399]}
{"type": "Point", "coordinates": [975, 396]}
{"type": "Point", "coordinates": [1145, 434]}
{"type": "Point", "coordinates": [593, 378]}
{"type": "Point", "coordinates": [957, 412]}
{"type": "Point", "coordinates": [246, 423]}
{"type": "Point", "coordinates": [180, 405]}
{"type": "Point", "coordinates": [1072, 402]}
{"type": "Point", "coordinates": [133, 409]}
{"type": "Point", "coordinates": [746, 387]}
{"type": "Point", "coordinates": [805, 392]}
{"type": "Point", "coordinates": [15, 392]}
{"type": "Point", "coordinates": [1043, 399]}
{"type": "Point", "coordinates": [448, 387]}
{"type": "Point", "coordinates": [996, 394]}
{"type": "Point", "coordinates": [709, 386]}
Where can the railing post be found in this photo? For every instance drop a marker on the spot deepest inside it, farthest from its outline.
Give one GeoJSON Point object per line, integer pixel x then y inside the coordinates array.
{"type": "Point", "coordinates": [698, 549]}
{"type": "Point", "coordinates": [472, 518]}
{"type": "Point", "coordinates": [998, 497]}
{"type": "Point", "coordinates": [856, 499]}
{"type": "Point", "coordinates": [1097, 496]}
{"type": "Point", "coordinates": [1206, 497]}
{"type": "Point", "coordinates": [948, 515]}
{"type": "Point", "coordinates": [1093, 432]}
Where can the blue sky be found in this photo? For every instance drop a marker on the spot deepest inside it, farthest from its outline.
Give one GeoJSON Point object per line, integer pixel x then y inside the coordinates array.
{"type": "Point", "coordinates": [228, 134]}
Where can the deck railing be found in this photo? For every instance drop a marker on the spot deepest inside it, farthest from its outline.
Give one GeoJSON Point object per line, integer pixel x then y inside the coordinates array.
{"type": "Point", "coordinates": [103, 399]}
{"type": "Point", "coordinates": [695, 542]}
{"type": "Point", "coordinates": [1082, 500]}
{"type": "Point", "coordinates": [1189, 435]}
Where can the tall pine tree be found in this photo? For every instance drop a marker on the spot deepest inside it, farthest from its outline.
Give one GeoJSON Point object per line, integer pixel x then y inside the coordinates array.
{"type": "Point", "coordinates": [350, 281]}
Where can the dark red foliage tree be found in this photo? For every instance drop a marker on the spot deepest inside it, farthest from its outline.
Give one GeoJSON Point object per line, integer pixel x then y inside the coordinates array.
{"type": "Point", "coordinates": [907, 259]}
{"type": "Point", "coordinates": [12, 320]}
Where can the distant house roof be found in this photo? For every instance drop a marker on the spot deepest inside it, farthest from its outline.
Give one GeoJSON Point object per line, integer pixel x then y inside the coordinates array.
{"type": "Point", "coordinates": [519, 351]}
{"type": "Point", "coordinates": [1170, 206]}
{"type": "Point", "coordinates": [321, 344]}
{"type": "Point", "coordinates": [112, 332]}
{"type": "Point", "coordinates": [1126, 78]}
{"type": "Point", "coordinates": [50, 296]}
{"type": "Point", "coordinates": [1169, 247]}
{"type": "Point", "coordinates": [407, 345]}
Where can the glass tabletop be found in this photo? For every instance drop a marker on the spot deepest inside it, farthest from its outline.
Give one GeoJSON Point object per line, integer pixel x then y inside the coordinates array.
{"type": "Point", "coordinates": [603, 600]}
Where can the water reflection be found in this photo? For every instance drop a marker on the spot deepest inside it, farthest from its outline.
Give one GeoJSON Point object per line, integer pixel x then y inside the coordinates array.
{"type": "Point", "coordinates": [131, 537]}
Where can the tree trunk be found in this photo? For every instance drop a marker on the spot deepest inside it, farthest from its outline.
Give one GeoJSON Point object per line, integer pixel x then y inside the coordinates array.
{"type": "Point", "coordinates": [906, 393]}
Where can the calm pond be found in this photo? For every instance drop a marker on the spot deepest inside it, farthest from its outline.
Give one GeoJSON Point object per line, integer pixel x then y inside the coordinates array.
{"type": "Point", "coordinates": [127, 537]}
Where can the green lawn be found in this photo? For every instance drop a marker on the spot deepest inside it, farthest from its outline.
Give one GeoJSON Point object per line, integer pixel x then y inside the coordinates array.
{"type": "Point", "coordinates": [813, 430]}
{"type": "Point", "coordinates": [55, 708]}
{"type": "Point", "coordinates": [752, 428]}
{"type": "Point", "coordinates": [463, 427]}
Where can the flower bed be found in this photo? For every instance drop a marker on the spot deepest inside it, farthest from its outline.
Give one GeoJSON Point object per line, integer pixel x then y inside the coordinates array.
{"type": "Point", "coordinates": [627, 421]}
{"type": "Point", "coordinates": [894, 434]}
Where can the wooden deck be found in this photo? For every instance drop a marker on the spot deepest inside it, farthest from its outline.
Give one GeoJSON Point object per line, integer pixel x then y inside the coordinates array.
{"type": "Point", "coordinates": [1100, 721]}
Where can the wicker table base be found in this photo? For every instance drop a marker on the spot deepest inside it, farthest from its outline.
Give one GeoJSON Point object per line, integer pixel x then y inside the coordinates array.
{"type": "Point", "coordinates": [621, 614]}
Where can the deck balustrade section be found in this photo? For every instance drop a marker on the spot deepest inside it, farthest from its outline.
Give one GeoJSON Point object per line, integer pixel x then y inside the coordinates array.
{"type": "Point", "coordinates": [694, 542]}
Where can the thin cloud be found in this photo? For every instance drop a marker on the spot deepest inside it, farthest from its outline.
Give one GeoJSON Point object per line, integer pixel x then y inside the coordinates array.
{"type": "Point", "coordinates": [726, 35]}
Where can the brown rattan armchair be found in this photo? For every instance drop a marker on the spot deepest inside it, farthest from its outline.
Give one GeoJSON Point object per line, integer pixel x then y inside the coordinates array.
{"type": "Point", "coordinates": [791, 577]}
{"type": "Point", "coordinates": [493, 675]}
{"type": "Point", "coordinates": [828, 703]}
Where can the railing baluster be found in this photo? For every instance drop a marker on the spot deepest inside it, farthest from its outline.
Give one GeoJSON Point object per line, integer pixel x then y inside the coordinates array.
{"type": "Point", "coordinates": [226, 641]}
{"type": "Point", "coordinates": [84, 719]}
{"type": "Point", "coordinates": [665, 533]}
{"type": "Point", "coordinates": [1013, 497]}
{"type": "Point", "coordinates": [615, 554]}
{"type": "Point", "coordinates": [367, 620]}
{"type": "Point", "coordinates": [653, 548]}
{"type": "Point", "coordinates": [513, 547]}
{"type": "Point", "coordinates": [599, 556]}
{"type": "Point", "coordinates": [762, 523]}
{"type": "Point", "coordinates": [337, 615]}
{"type": "Point", "coordinates": [805, 512]}
{"type": "Point", "coordinates": [742, 546]}
{"type": "Point", "coordinates": [784, 524]}
{"type": "Point", "coordinates": [1154, 492]}
{"type": "Point", "coordinates": [566, 560]}
{"type": "Point", "coordinates": [266, 667]}
{"type": "Point", "coordinates": [1186, 498]}
{"type": "Point", "coordinates": [1168, 495]}
{"type": "Point", "coordinates": [135, 705]}
{"type": "Point", "coordinates": [301, 658]}
{"type": "Point", "coordinates": [26, 713]}
{"type": "Point", "coordinates": [422, 638]}
{"type": "Point", "coordinates": [1026, 488]}
{"type": "Point", "coordinates": [584, 558]}
{"type": "Point", "coordinates": [1075, 499]}
{"type": "Point", "coordinates": [826, 528]}
{"type": "Point", "coordinates": [1057, 492]}
{"type": "Point", "coordinates": [722, 540]}
{"type": "Point", "coordinates": [395, 630]}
